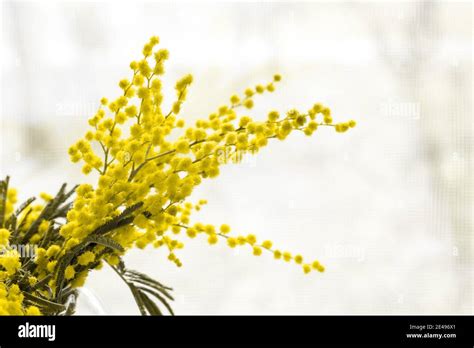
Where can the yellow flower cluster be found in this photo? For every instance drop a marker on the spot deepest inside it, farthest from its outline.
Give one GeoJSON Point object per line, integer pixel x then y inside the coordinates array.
{"type": "Point", "coordinates": [149, 161]}
{"type": "Point", "coordinates": [9, 259]}
{"type": "Point", "coordinates": [10, 262]}
{"type": "Point", "coordinates": [140, 156]}
{"type": "Point", "coordinates": [250, 240]}
{"type": "Point", "coordinates": [11, 301]}
{"type": "Point", "coordinates": [11, 297]}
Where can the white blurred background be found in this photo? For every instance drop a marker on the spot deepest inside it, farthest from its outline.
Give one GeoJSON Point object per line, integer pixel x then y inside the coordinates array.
{"type": "Point", "coordinates": [387, 207]}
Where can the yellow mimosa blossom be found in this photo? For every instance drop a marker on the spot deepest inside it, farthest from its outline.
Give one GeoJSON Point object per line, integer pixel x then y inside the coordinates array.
{"type": "Point", "coordinates": [147, 159]}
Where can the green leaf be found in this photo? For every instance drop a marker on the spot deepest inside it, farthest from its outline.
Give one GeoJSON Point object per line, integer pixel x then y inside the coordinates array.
{"type": "Point", "coordinates": [138, 298]}
{"type": "Point", "coordinates": [113, 224]}
{"type": "Point", "coordinates": [153, 286]}
{"type": "Point", "coordinates": [24, 205]}
{"type": "Point", "coordinates": [42, 282]}
{"type": "Point", "coordinates": [69, 256]}
{"type": "Point", "coordinates": [150, 306]}
{"type": "Point", "coordinates": [129, 210]}
{"type": "Point", "coordinates": [120, 220]}
{"type": "Point", "coordinates": [141, 287]}
{"type": "Point", "coordinates": [69, 194]}
{"type": "Point", "coordinates": [24, 220]}
{"type": "Point", "coordinates": [11, 226]}
{"type": "Point", "coordinates": [46, 213]}
{"type": "Point", "coordinates": [145, 277]}
{"type": "Point", "coordinates": [159, 297]}
{"type": "Point", "coordinates": [105, 241]}
{"type": "Point", "coordinates": [62, 264]}
{"type": "Point", "coordinates": [53, 306]}
{"type": "Point", "coordinates": [11, 223]}
{"type": "Point", "coordinates": [61, 212]}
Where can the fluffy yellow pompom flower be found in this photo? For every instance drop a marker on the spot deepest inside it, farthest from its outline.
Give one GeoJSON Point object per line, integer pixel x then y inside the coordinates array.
{"type": "Point", "coordinates": [10, 262]}
{"type": "Point", "coordinates": [317, 266]}
{"type": "Point", "coordinates": [53, 250]}
{"type": "Point", "coordinates": [225, 228]}
{"type": "Point", "coordinates": [257, 251]}
{"type": "Point", "coordinates": [251, 239]}
{"type": "Point", "coordinates": [4, 235]}
{"type": "Point", "coordinates": [232, 242]}
{"type": "Point", "coordinates": [86, 258]}
{"type": "Point", "coordinates": [212, 239]}
{"type": "Point", "coordinates": [51, 266]}
{"type": "Point", "coordinates": [69, 272]}
{"type": "Point", "coordinates": [33, 310]}
{"type": "Point", "coordinates": [299, 259]}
